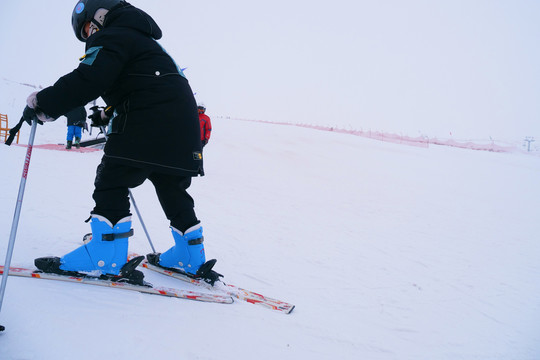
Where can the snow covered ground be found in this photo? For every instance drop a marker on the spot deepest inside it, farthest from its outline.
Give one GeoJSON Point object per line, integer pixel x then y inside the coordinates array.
{"type": "Point", "coordinates": [387, 251]}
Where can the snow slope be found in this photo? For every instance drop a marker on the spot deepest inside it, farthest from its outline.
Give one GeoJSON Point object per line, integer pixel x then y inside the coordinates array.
{"type": "Point", "coordinates": [387, 251]}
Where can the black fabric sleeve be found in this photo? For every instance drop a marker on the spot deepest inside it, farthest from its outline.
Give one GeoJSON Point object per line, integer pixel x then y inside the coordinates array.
{"type": "Point", "coordinates": [90, 80]}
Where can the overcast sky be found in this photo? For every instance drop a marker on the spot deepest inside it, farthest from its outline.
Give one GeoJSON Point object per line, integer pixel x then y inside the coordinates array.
{"type": "Point", "coordinates": [466, 67]}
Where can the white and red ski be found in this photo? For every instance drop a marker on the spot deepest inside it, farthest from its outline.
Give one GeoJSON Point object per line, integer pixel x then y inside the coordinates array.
{"type": "Point", "coordinates": [221, 287]}
{"type": "Point", "coordinates": [155, 290]}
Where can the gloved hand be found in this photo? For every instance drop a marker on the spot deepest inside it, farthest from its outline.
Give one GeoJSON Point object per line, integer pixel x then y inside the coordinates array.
{"type": "Point", "coordinates": [32, 104]}
{"type": "Point", "coordinates": [29, 115]}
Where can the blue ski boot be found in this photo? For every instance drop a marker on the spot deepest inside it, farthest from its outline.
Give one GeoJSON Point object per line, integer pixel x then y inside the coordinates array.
{"type": "Point", "coordinates": [187, 255]}
{"type": "Point", "coordinates": [106, 252]}
{"type": "Point", "coordinates": [104, 256]}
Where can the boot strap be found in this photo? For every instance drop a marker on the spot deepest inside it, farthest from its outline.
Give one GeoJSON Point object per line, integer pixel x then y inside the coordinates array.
{"type": "Point", "coordinates": [196, 241]}
{"type": "Point", "coordinates": [112, 237]}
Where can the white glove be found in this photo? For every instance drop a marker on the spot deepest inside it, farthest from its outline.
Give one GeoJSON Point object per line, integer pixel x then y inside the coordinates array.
{"type": "Point", "coordinates": [31, 101]}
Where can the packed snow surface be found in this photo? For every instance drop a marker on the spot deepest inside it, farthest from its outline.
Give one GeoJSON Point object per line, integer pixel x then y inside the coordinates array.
{"type": "Point", "coordinates": [388, 251]}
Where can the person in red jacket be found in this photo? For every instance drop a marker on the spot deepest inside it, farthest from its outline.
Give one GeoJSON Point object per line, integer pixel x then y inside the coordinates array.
{"type": "Point", "coordinates": [206, 125]}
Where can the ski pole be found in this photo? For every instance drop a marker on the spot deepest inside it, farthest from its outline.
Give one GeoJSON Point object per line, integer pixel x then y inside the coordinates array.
{"type": "Point", "coordinates": [134, 203]}
{"type": "Point", "coordinates": [17, 214]}
{"type": "Point", "coordinates": [141, 220]}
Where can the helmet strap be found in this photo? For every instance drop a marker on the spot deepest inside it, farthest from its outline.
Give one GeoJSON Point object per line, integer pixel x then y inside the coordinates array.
{"type": "Point", "coordinates": [95, 22]}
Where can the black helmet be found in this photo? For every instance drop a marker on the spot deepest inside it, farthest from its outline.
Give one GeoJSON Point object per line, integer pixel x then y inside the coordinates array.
{"type": "Point", "coordinates": [85, 10]}
{"type": "Point", "coordinates": [201, 107]}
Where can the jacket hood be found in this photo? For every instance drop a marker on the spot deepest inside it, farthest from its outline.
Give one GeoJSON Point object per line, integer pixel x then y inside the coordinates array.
{"type": "Point", "coordinates": [128, 16]}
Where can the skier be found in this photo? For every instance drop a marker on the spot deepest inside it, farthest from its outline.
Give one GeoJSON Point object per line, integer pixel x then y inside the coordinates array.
{"type": "Point", "coordinates": [153, 132]}
{"type": "Point", "coordinates": [76, 120]}
{"type": "Point", "coordinates": [206, 125]}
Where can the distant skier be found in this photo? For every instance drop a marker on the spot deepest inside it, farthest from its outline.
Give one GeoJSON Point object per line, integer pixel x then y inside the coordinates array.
{"type": "Point", "coordinates": [154, 134]}
{"type": "Point", "coordinates": [76, 120]}
{"type": "Point", "coordinates": [206, 125]}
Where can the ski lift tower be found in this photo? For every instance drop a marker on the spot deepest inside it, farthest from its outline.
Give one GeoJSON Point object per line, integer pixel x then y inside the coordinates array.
{"type": "Point", "coordinates": [529, 140]}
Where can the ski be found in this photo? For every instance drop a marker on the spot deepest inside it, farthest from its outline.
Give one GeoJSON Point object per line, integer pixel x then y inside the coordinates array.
{"type": "Point", "coordinates": [155, 290]}
{"type": "Point", "coordinates": [228, 289]}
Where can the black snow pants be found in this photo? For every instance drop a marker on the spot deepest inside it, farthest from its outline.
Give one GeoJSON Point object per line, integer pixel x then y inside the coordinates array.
{"type": "Point", "coordinates": [111, 193]}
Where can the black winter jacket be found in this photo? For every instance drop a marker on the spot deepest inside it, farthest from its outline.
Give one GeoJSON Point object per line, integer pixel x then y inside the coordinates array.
{"type": "Point", "coordinates": [76, 117]}
{"type": "Point", "coordinates": [156, 124]}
